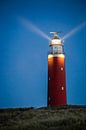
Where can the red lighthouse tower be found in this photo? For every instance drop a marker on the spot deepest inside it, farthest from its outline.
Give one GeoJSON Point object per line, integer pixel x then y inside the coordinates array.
{"type": "Point", "coordinates": [56, 73]}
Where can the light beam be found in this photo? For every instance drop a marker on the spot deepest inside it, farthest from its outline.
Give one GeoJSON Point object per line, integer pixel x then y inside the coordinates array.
{"type": "Point", "coordinates": [73, 31]}
{"type": "Point", "coordinates": [33, 28]}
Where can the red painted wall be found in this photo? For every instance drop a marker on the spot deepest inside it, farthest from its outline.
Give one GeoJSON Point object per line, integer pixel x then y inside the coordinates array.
{"type": "Point", "coordinates": [56, 81]}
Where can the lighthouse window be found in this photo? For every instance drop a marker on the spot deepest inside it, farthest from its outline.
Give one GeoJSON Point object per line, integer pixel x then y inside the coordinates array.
{"type": "Point", "coordinates": [55, 49]}
{"type": "Point", "coordinates": [61, 68]}
{"type": "Point", "coordinates": [62, 88]}
{"type": "Point", "coordinates": [60, 49]}
{"type": "Point", "coordinates": [49, 78]}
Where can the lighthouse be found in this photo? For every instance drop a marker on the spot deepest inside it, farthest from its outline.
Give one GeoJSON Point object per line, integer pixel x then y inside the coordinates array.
{"type": "Point", "coordinates": [56, 72]}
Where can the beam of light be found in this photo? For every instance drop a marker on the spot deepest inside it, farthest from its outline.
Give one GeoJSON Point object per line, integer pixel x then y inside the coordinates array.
{"type": "Point", "coordinates": [73, 31]}
{"type": "Point", "coordinates": [33, 28]}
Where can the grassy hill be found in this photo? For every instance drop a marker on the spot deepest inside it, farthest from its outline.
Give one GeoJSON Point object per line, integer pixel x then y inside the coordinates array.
{"type": "Point", "coordinates": [51, 118]}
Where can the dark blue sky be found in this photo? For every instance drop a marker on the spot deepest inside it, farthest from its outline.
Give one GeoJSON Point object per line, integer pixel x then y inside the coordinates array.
{"type": "Point", "coordinates": [23, 54]}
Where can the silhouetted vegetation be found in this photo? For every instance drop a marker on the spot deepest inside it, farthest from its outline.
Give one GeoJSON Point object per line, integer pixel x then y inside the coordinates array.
{"type": "Point", "coordinates": [45, 118]}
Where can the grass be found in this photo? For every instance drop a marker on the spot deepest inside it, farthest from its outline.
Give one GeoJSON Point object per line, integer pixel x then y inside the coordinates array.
{"type": "Point", "coordinates": [51, 118]}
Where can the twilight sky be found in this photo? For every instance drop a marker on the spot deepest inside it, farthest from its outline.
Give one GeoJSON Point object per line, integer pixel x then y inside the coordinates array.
{"type": "Point", "coordinates": [23, 53]}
